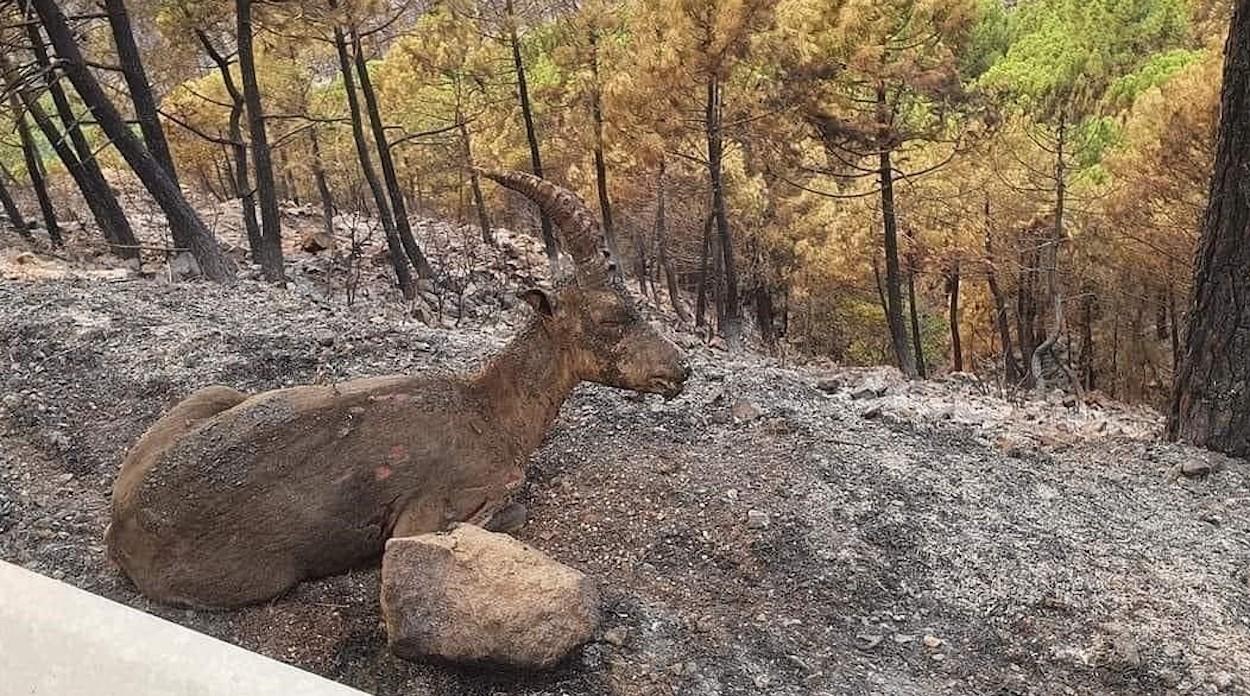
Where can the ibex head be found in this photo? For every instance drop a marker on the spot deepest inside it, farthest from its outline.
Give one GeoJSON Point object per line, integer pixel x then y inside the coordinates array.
{"type": "Point", "coordinates": [592, 316]}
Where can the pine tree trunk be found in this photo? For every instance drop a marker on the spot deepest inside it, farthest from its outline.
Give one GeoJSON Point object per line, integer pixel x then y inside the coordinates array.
{"type": "Point", "coordinates": [916, 336]}
{"type": "Point", "coordinates": [34, 170]}
{"type": "Point", "coordinates": [701, 298]}
{"type": "Point", "coordinates": [1011, 368]}
{"type": "Point", "coordinates": [952, 288]}
{"type": "Point", "coordinates": [140, 89]}
{"type": "Point", "coordinates": [661, 240]}
{"type": "Point", "coordinates": [400, 210]}
{"type": "Point", "coordinates": [323, 185]}
{"type": "Point", "coordinates": [1086, 360]}
{"type": "Point", "coordinates": [270, 218]}
{"type": "Point", "coordinates": [403, 276]}
{"type": "Point", "coordinates": [893, 280]}
{"type": "Point", "coordinates": [181, 216]}
{"type": "Point", "coordinates": [68, 157]}
{"type": "Point", "coordinates": [1211, 398]}
{"type": "Point", "coordinates": [11, 211]}
{"type": "Point", "coordinates": [82, 164]}
{"type": "Point", "coordinates": [601, 167]}
{"type": "Point", "coordinates": [240, 180]}
{"type": "Point", "coordinates": [731, 326]}
{"type": "Point", "coordinates": [527, 115]}
{"type": "Point", "coordinates": [475, 184]}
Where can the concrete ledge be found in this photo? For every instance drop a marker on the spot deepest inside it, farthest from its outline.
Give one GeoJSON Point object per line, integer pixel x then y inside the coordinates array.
{"type": "Point", "coordinates": [57, 640]}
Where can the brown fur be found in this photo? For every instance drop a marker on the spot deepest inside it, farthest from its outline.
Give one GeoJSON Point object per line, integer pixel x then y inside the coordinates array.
{"type": "Point", "coordinates": [232, 499]}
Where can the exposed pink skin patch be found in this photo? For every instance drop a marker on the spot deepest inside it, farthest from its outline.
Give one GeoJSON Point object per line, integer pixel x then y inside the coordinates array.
{"type": "Point", "coordinates": [382, 473]}
{"type": "Point", "coordinates": [399, 454]}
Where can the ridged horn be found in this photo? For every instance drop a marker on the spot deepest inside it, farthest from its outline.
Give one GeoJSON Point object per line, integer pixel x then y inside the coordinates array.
{"type": "Point", "coordinates": [579, 229]}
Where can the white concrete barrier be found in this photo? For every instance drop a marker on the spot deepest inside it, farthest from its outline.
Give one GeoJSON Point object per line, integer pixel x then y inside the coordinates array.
{"type": "Point", "coordinates": [57, 640]}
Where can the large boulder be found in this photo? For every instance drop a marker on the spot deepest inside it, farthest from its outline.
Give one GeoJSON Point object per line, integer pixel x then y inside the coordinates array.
{"type": "Point", "coordinates": [476, 597]}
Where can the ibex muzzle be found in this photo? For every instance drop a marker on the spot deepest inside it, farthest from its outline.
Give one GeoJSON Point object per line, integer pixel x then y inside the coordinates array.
{"type": "Point", "coordinates": [231, 499]}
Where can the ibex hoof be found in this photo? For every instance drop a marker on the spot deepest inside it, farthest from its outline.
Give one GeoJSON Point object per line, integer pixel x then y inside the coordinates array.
{"type": "Point", "coordinates": [509, 518]}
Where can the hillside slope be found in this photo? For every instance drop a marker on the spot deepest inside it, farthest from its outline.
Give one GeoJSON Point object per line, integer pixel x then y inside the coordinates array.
{"type": "Point", "coordinates": [775, 530]}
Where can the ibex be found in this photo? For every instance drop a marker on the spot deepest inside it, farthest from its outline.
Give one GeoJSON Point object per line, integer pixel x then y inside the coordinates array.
{"type": "Point", "coordinates": [232, 499]}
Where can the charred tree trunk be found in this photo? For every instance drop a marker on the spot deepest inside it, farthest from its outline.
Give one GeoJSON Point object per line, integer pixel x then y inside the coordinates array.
{"type": "Point", "coordinates": [917, 338]}
{"type": "Point", "coordinates": [531, 136]}
{"type": "Point", "coordinates": [952, 290]}
{"type": "Point", "coordinates": [475, 184]}
{"type": "Point", "coordinates": [11, 211]}
{"type": "Point", "coordinates": [240, 180]}
{"type": "Point", "coordinates": [641, 268]}
{"type": "Point", "coordinates": [34, 170]}
{"type": "Point", "coordinates": [1011, 368]}
{"type": "Point", "coordinates": [601, 167]}
{"type": "Point", "coordinates": [81, 161]}
{"type": "Point", "coordinates": [183, 219]}
{"type": "Point", "coordinates": [701, 298]}
{"type": "Point", "coordinates": [1211, 402]}
{"type": "Point", "coordinates": [402, 226]}
{"type": "Point", "coordinates": [270, 219]}
{"type": "Point", "coordinates": [661, 241]}
{"type": "Point", "coordinates": [1086, 359]}
{"type": "Point", "coordinates": [137, 82]}
{"type": "Point", "coordinates": [323, 185]}
{"type": "Point", "coordinates": [893, 282]}
{"type": "Point", "coordinates": [731, 326]}
{"type": "Point", "coordinates": [403, 276]}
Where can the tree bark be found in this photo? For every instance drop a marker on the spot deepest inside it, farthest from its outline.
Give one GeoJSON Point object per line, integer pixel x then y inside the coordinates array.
{"type": "Point", "coordinates": [475, 184]}
{"type": "Point", "coordinates": [661, 240]}
{"type": "Point", "coordinates": [701, 298]}
{"type": "Point", "coordinates": [917, 338]}
{"type": "Point", "coordinates": [402, 226]}
{"type": "Point", "coordinates": [34, 170]}
{"type": "Point", "coordinates": [11, 211]}
{"type": "Point", "coordinates": [1211, 396]}
{"type": "Point", "coordinates": [527, 115]}
{"type": "Point", "coordinates": [601, 167]}
{"type": "Point", "coordinates": [137, 82]}
{"type": "Point", "coordinates": [403, 276]}
{"type": "Point", "coordinates": [183, 220]}
{"type": "Point", "coordinates": [1011, 368]}
{"type": "Point", "coordinates": [731, 325]}
{"type": "Point", "coordinates": [240, 180]}
{"type": "Point", "coordinates": [81, 161]}
{"type": "Point", "coordinates": [270, 219]}
{"type": "Point", "coordinates": [952, 289]}
{"type": "Point", "coordinates": [323, 185]}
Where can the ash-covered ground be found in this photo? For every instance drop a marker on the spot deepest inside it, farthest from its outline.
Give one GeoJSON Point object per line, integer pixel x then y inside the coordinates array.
{"type": "Point", "coordinates": [774, 530]}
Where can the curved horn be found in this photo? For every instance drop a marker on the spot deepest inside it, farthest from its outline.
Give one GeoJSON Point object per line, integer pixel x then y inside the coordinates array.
{"type": "Point", "coordinates": [579, 228]}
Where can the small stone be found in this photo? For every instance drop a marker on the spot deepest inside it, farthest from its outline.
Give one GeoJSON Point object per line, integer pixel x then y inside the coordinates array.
{"type": "Point", "coordinates": [325, 337]}
{"type": "Point", "coordinates": [1222, 680]}
{"type": "Point", "coordinates": [616, 636]}
{"type": "Point", "coordinates": [868, 641]}
{"type": "Point", "coordinates": [829, 384]}
{"type": "Point", "coordinates": [1195, 468]}
{"type": "Point", "coordinates": [65, 478]}
{"type": "Point", "coordinates": [1126, 651]}
{"type": "Point", "coordinates": [744, 411]}
{"type": "Point", "coordinates": [932, 641]}
{"type": "Point", "coordinates": [761, 681]}
{"type": "Point", "coordinates": [731, 495]}
{"type": "Point", "coordinates": [1169, 677]}
{"type": "Point", "coordinates": [904, 638]}
{"type": "Point", "coordinates": [757, 519]}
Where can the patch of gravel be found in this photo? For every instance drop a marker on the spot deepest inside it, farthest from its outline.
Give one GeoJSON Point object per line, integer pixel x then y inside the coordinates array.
{"type": "Point", "coordinates": [774, 530]}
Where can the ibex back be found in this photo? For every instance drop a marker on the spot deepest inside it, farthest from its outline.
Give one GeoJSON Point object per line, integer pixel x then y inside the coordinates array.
{"type": "Point", "coordinates": [231, 499]}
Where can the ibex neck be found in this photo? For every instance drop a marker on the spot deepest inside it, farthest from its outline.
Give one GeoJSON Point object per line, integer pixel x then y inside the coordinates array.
{"type": "Point", "coordinates": [525, 385]}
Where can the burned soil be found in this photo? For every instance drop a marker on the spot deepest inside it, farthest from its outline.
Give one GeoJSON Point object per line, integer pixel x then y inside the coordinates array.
{"type": "Point", "coordinates": [774, 530]}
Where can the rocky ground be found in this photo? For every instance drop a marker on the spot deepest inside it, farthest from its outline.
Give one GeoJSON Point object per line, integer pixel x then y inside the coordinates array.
{"type": "Point", "coordinates": [774, 530]}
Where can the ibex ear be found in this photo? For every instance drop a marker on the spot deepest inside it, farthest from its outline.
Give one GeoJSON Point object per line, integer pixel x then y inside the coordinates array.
{"type": "Point", "coordinates": [539, 300]}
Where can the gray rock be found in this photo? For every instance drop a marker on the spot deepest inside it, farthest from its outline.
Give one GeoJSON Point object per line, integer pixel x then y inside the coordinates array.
{"type": "Point", "coordinates": [471, 596]}
{"type": "Point", "coordinates": [757, 519]}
